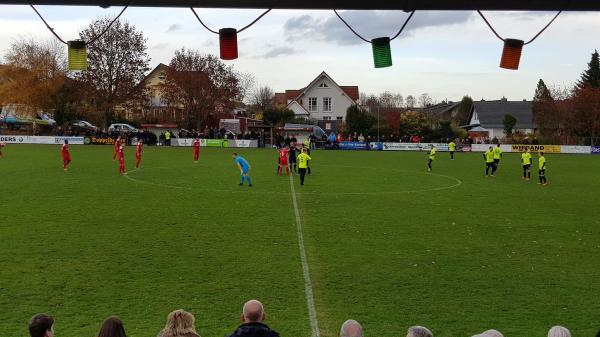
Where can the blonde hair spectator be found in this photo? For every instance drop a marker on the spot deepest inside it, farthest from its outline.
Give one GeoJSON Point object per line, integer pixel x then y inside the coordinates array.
{"type": "Point", "coordinates": [180, 323]}
{"type": "Point", "coordinates": [559, 331]}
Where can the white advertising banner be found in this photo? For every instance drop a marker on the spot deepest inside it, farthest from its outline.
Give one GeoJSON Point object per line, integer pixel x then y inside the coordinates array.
{"type": "Point", "coordinates": [575, 149]}
{"type": "Point", "coordinates": [182, 141]}
{"type": "Point", "coordinates": [243, 143]}
{"type": "Point", "coordinates": [49, 140]}
{"type": "Point", "coordinates": [442, 147]}
{"type": "Point", "coordinates": [485, 147]}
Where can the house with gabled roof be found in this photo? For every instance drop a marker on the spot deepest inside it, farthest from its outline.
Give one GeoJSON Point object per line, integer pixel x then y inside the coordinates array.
{"type": "Point", "coordinates": [322, 100]}
{"type": "Point", "coordinates": [487, 116]}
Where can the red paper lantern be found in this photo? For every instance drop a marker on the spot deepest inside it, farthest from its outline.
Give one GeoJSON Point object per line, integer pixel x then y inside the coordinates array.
{"type": "Point", "coordinates": [228, 43]}
{"type": "Point", "coordinates": [511, 54]}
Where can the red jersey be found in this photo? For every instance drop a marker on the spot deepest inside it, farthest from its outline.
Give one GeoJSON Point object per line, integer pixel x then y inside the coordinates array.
{"type": "Point", "coordinates": [283, 155]}
{"type": "Point", "coordinates": [138, 150]}
{"type": "Point", "coordinates": [117, 143]}
{"type": "Point", "coordinates": [196, 145]}
{"type": "Point", "coordinates": [121, 153]}
{"type": "Point", "coordinates": [65, 151]}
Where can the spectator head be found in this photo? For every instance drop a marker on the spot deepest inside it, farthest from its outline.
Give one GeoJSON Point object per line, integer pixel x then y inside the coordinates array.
{"type": "Point", "coordinates": [40, 325]}
{"type": "Point", "coordinates": [112, 327]}
{"type": "Point", "coordinates": [253, 311]}
{"type": "Point", "coordinates": [351, 328]}
{"type": "Point", "coordinates": [490, 333]}
{"type": "Point", "coordinates": [559, 331]}
{"type": "Point", "coordinates": [418, 331]}
{"type": "Point", "coordinates": [179, 323]}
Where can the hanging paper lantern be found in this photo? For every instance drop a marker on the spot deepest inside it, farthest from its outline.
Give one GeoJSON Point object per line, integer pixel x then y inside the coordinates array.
{"type": "Point", "coordinates": [382, 53]}
{"type": "Point", "coordinates": [77, 55]}
{"type": "Point", "coordinates": [228, 43]}
{"type": "Point", "coordinates": [511, 54]}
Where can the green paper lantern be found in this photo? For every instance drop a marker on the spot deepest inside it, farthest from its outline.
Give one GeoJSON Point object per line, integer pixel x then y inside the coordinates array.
{"type": "Point", "coordinates": [382, 53]}
{"type": "Point", "coordinates": [77, 55]}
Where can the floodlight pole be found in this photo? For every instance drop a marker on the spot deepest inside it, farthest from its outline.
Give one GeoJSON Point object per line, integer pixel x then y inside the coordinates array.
{"type": "Point", "coordinates": [378, 123]}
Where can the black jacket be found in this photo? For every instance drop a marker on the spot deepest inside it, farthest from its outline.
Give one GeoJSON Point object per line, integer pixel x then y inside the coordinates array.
{"type": "Point", "coordinates": [254, 329]}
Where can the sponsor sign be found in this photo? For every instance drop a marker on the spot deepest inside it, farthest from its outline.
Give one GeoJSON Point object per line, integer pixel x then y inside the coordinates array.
{"type": "Point", "coordinates": [441, 147]}
{"type": "Point", "coordinates": [575, 149]}
{"type": "Point", "coordinates": [376, 146]}
{"type": "Point", "coordinates": [99, 140]}
{"type": "Point", "coordinates": [353, 146]}
{"type": "Point", "coordinates": [49, 140]}
{"type": "Point", "coordinates": [595, 149]}
{"type": "Point", "coordinates": [214, 142]}
{"type": "Point", "coordinates": [536, 148]}
{"type": "Point", "coordinates": [243, 143]}
{"type": "Point", "coordinates": [183, 142]}
{"type": "Point", "coordinates": [465, 148]}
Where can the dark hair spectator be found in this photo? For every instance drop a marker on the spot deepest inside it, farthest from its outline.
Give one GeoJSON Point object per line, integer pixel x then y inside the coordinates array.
{"type": "Point", "coordinates": [112, 327]}
{"type": "Point", "coordinates": [40, 325]}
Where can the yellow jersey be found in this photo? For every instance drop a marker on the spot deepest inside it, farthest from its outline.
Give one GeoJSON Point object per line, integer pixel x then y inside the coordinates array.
{"type": "Point", "coordinates": [497, 152]}
{"type": "Point", "coordinates": [526, 158]}
{"type": "Point", "coordinates": [303, 159]}
{"type": "Point", "coordinates": [432, 153]}
{"type": "Point", "coordinates": [489, 156]}
{"type": "Point", "coordinates": [542, 163]}
{"type": "Point", "coordinates": [451, 146]}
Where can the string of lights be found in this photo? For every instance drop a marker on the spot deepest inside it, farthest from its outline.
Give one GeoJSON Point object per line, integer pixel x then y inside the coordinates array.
{"type": "Point", "coordinates": [382, 52]}
{"type": "Point", "coordinates": [77, 49]}
{"type": "Point", "coordinates": [511, 53]}
{"type": "Point", "coordinates": [228, 36]}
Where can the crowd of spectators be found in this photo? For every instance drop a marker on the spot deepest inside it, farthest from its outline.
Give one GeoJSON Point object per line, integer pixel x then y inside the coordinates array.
{"type": "Point", "coordinates": [181, 323]}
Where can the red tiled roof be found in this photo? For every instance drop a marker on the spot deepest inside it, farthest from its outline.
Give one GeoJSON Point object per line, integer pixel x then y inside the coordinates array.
{"type": "Point", "coordinates": [293, 94]}
{"type": "Point", "coordinates": [280, 98]}
{"type": "Point", "coordinates": [351, 91]}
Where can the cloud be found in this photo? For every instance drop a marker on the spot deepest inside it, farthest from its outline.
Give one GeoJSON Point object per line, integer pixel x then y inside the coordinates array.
{"type": "Point", "coordinates": [279, 51]}
{"type": "Point", "coordinates": [174, 27]}
{"type": "Point", "coordinates": [369, 24]}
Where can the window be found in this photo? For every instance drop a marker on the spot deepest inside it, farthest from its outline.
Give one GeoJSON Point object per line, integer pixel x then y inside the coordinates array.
{"type": "Point", "coordinates": [326, 118]}
{"type": "Point", "coordinates": [323, 85]}
{"type": "Point", "coordinates": [326, 104]}
{"type": "Point", "coordinates": [339, 118]}
{"type": "Point", "coordinates": [312, 104]}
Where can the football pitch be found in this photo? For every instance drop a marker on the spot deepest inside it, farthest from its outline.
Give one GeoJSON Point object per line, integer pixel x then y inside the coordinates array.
{"type": "Point", "coordinates": [386, 242]}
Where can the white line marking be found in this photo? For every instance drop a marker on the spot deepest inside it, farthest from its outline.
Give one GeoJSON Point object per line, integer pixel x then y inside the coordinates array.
{"type": "Point", "coordinates": [308, 289]}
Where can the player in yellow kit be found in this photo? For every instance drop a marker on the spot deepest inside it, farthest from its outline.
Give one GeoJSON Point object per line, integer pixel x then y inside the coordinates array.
{"type": "Point", "coordinates": [488, 156]}
{"type": "Point", "coordinates": [526, 162]}
{"type": "Point", "coordinates": [303, 159]}
{"type": "Point", "coordinates": [432, 152]}
{"type": "Point", "coordinates": [542, 169]}
{"type": "Point", "coordinates": [452, 148]}
{"type": "Point", "coordinates": [497, 156]}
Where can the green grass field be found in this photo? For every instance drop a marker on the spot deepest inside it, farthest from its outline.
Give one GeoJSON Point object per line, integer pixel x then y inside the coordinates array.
{"type": "Point", "coordinates": [388, 244]}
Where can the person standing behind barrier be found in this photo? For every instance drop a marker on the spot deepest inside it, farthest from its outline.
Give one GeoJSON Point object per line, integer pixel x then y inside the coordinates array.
{"type": "Point", "coordinates": [41, 325]}
{"type": "Point", "coordinates": [303, 159]}
{"type": "Point", "coordinates": [196, 145]}
{"type": "Point", "coordinates": [112, 327]}
{"type": "Point", "coordinates": [168, 138]}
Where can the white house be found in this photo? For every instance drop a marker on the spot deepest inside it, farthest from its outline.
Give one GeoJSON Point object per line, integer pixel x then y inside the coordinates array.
{"type": "Point", "coordinates": [323, 100]}
{"type": "Point", "coordinates": [487, 116]}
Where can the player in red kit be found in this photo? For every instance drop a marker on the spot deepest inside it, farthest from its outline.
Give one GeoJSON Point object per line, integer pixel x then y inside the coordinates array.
{"type": "Point", "coordinates": [121, 155]}
{"type": "Point", "coordinates": [1, 146]}
{"type": "Point", "coordinates": [116, 147]}
{"type": "Point", "coordinates": [138, 154]}
{"type": "Point", "coordinates": [283, 161]}
{"type": "Point", "coordinates": [196, 145]}
{"type": "Point", "coordinates": [66, 156]}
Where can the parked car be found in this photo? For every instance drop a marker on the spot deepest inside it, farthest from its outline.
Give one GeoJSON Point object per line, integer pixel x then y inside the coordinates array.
{"type": "Point", "coordinates": [84, 125]}
{"type": "Point", "coordinates": [121, 127]}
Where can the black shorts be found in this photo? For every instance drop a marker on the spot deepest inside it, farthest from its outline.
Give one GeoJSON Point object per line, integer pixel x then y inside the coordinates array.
{"type": "Point", "coordinates": [496, 161]}
{"type": "Point", "coordinates": [293, 160]}
{"type": "Point", "coordinates": [527, 166]}
{"type": "Point", "coordinates": [451, 152]}
{"type": "Point", "coordinates": [542, 172]}
{"type": "Point", "coordinates": [489, 164]}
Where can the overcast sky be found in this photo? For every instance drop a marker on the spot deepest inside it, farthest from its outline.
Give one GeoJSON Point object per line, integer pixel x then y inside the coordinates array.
{"type": "Point", "coordinates": [445, 54]}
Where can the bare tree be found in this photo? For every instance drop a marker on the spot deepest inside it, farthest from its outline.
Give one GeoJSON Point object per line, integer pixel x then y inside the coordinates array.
{"type": "Point", "coordinates": [425, 100]}
{"type": "Point", "coordinates": [262, 98]}
{"type": "Point", "coordinates": [200, 85]}
{"type": "Point", "coordinates": [246, 85]}
{"type": "Point", "coordinates": [411, 101]}
{"type": "Point", "coordinates": [117, 62]}
{"type": "Point", "coordinates": [33, 74]}
{"type": "Point", "coordinates": [388, 99]}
